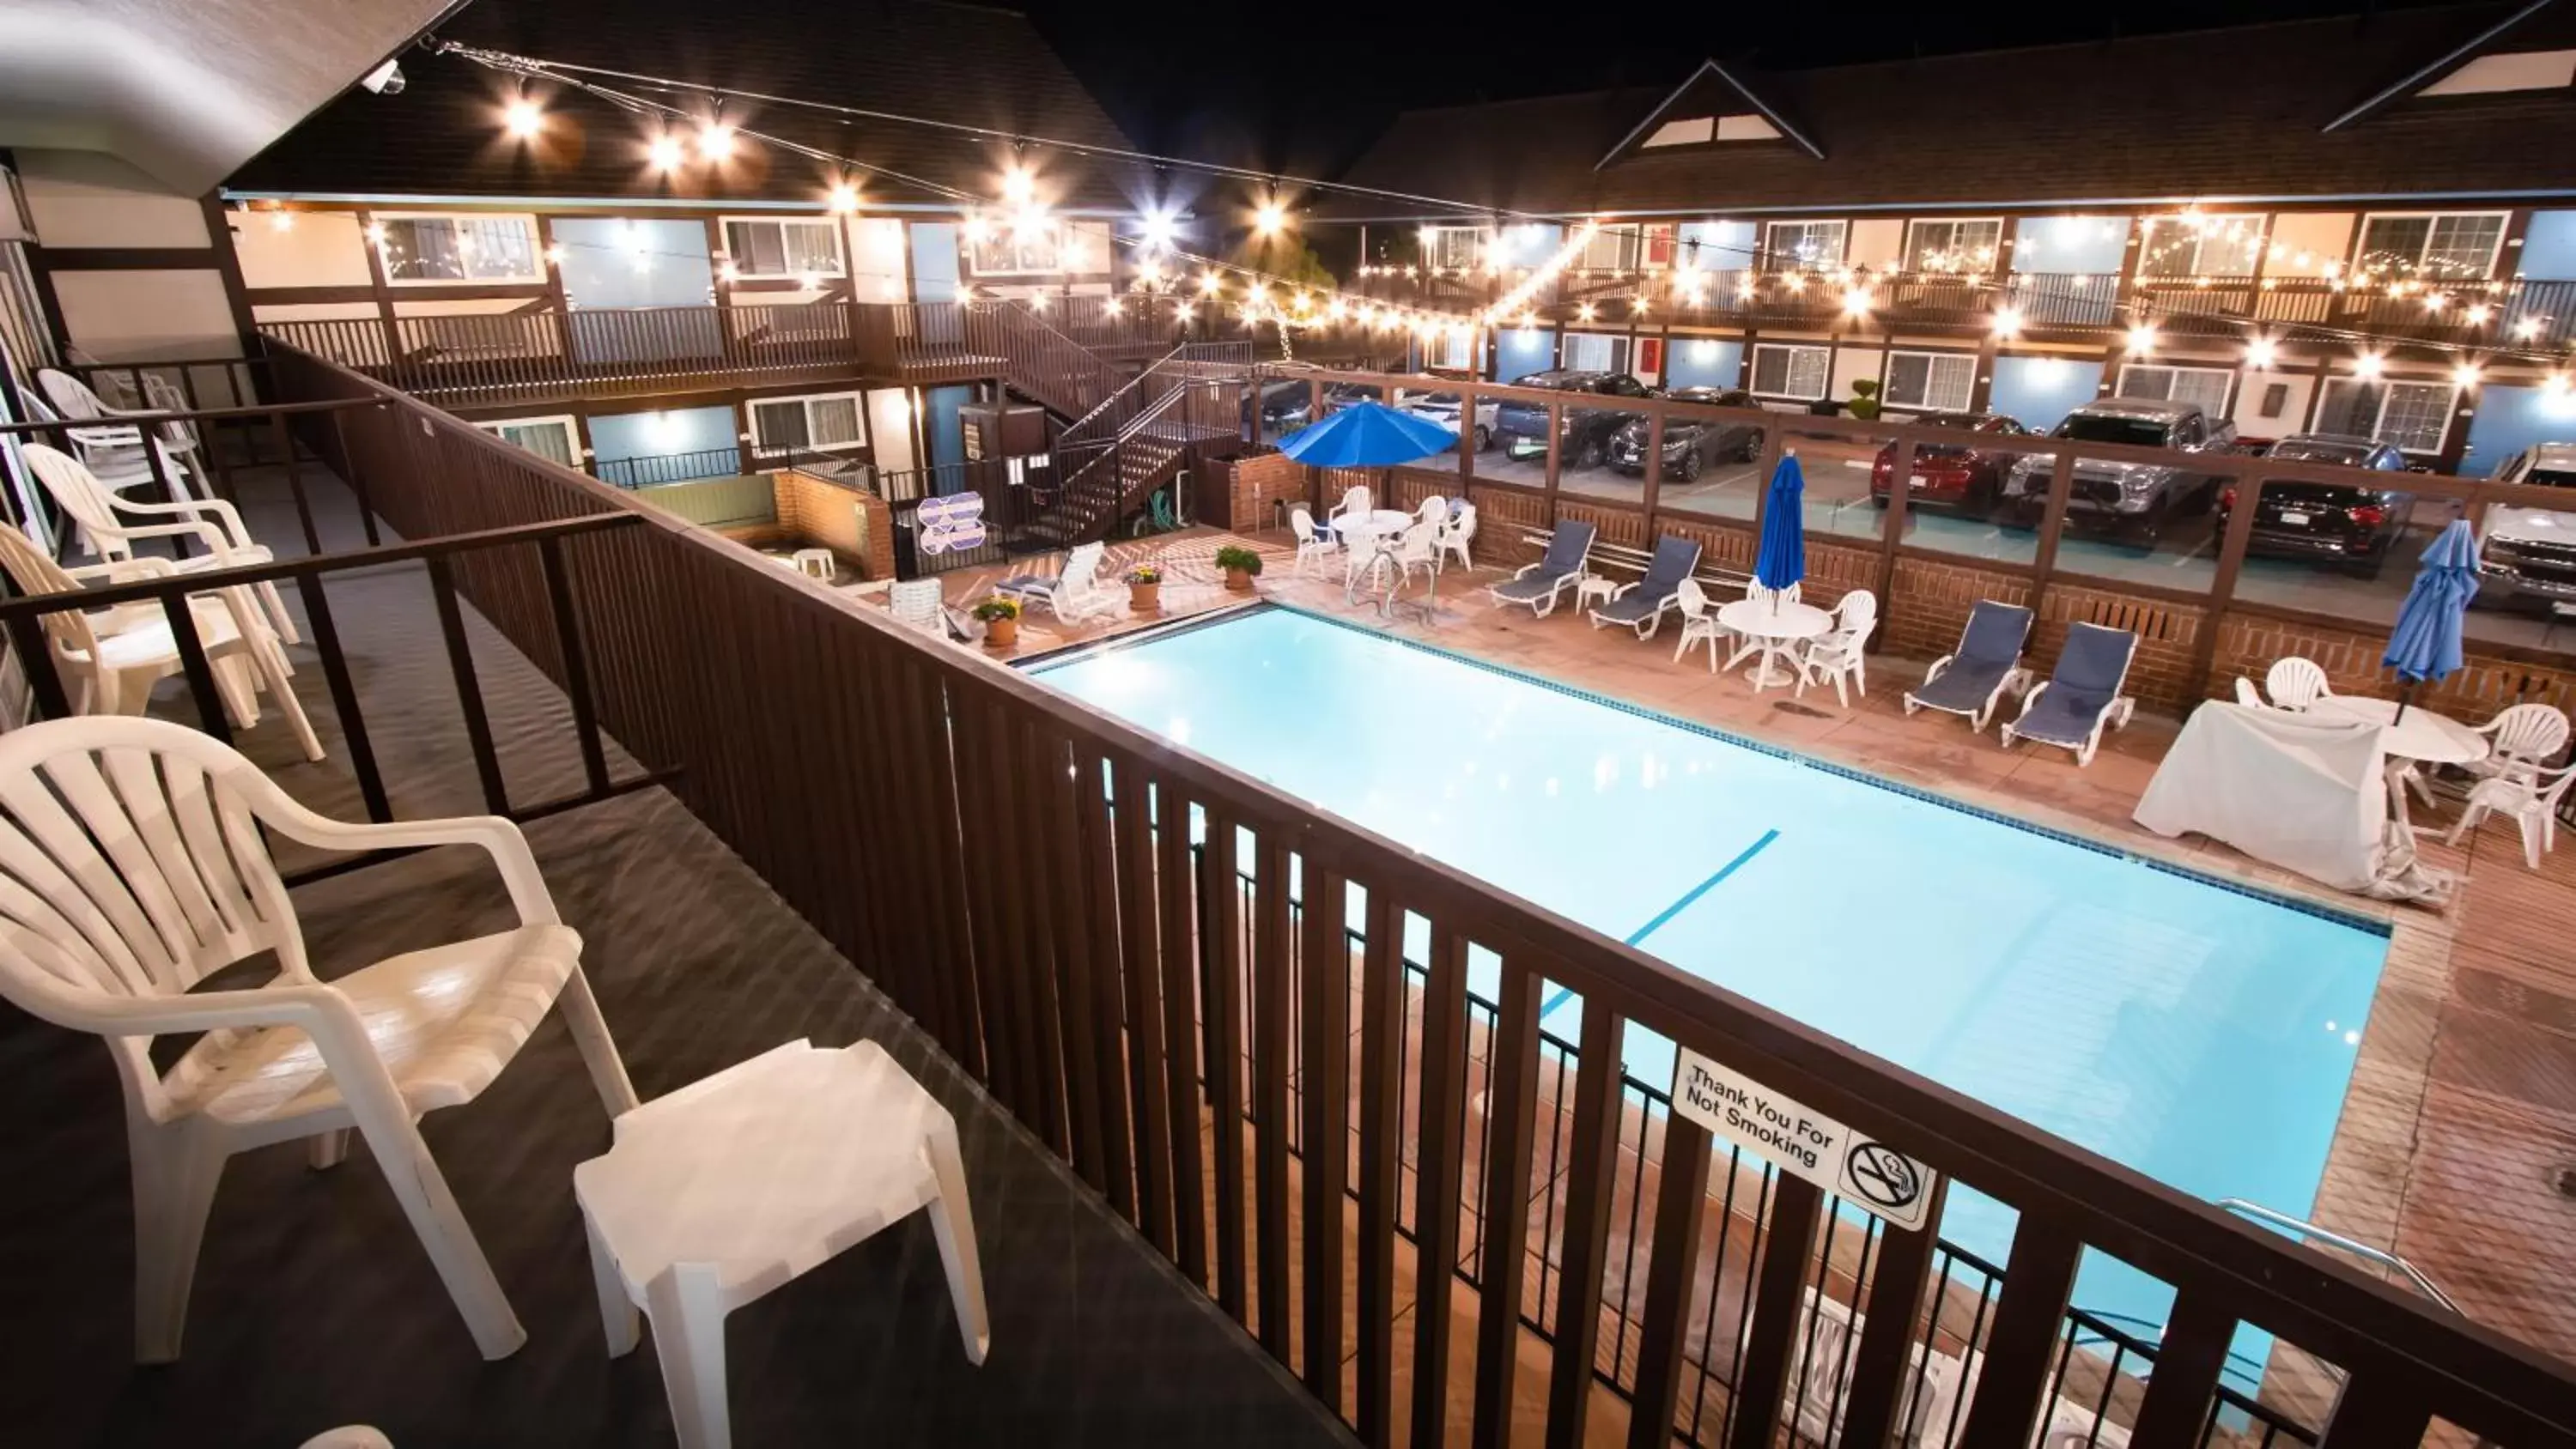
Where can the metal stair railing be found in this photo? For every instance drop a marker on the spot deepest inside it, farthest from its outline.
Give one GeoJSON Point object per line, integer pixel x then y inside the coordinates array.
{"type": "Point", "coordinates": [2328, 1237]}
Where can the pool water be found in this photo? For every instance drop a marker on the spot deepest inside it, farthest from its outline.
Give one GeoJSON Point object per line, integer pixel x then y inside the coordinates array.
{"type": "Point", "coordinates": [2198, 1033]}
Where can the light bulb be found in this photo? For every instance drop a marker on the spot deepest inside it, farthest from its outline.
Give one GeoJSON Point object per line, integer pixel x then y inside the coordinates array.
{"type": "Point", "coordinates": [715, 140]}
{"type": "Point", "coordinates": [523, 119]}
{"type": "Point", "coordinates": [845, 197]}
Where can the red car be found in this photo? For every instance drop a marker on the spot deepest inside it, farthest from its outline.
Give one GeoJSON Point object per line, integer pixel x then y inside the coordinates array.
{"type": "Point", "coordinates": [1965, 479]}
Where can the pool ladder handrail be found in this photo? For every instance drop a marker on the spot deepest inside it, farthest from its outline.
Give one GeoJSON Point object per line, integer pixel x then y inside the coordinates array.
{"type": "Point", "coordinates": [2328, 1237]}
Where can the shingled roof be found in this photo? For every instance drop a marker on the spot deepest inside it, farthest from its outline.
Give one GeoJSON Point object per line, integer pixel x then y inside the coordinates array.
{"type": "Point", "coordinates": [968, 64]}
{"type": "Point", "coordinates": [2212, 114]}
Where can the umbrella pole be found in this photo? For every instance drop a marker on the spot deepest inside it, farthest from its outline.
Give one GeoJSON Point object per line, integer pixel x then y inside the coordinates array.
{"type": "Point", "coordinates": [2403, 695]}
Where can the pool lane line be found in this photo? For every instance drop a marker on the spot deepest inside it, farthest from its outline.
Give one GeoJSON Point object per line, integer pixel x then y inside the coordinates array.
{"type": "Point", "coordinates": [1665, 916]}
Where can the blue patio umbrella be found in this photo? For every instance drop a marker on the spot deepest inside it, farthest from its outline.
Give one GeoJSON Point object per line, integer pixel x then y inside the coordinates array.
{"type": "Point", "coordinates": [1782, 560]}
{"type": "Point", "coordinates": [2426, 642]}
{"type": "Point", "coordinates": [1368, 435]}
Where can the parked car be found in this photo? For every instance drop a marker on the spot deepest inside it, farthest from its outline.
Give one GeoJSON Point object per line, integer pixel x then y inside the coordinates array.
{"type": "Point", "coordinates": [1286, 406]}
{"type": "Point", "coordinates": [1691, 445]}
{"type": "Point", "coordinates": [1340, 395]}
{"type": "Point", "coordinates": [2353, 524]}
{"type": "Point", "coordinates": [2138, 499]}
{"type": "Point", "coordinates": [1965, 479]}
{"type": "Point", "coordinates": [1521, 427]}
{"type": "Point", "coordinates": [1443, 408]}
{"type": "Point", "coordinates": [2529, 554]}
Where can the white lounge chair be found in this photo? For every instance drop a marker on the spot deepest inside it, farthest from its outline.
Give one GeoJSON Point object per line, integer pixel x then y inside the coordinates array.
{"type": "Point", "coordinates": [1076, 594]}
{"type": "Point", "coordinates": [140, 870]}
{"type": "Point", "coordinates": [1840, 657]}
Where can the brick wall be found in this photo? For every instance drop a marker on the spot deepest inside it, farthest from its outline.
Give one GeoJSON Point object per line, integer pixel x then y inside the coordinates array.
{"type": "Point", "coordinates": [2486, 682]}
{"type": "Point", "coordinates": [857, 526]}
{"type": "Point", "coordinates": [1250, 489]}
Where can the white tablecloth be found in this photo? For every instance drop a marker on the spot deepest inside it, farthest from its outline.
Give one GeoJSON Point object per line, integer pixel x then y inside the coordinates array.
{"type": "Point", "coordinates": [2435, 739]}
{"type": "Point", "coordinates": [2300, 791]}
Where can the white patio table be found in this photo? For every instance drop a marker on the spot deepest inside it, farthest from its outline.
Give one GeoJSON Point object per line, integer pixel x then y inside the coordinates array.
{"type": "Point", "coordinates": [2422, 736]}
{"type": "Point", "coordinates": [1772, 630]}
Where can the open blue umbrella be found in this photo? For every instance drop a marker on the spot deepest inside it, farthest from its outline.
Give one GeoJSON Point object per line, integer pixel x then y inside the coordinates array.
{"type": "Point", "coordinates": [1782, 560]}
{"type": "Point", "coordinates": [2426, 642]}
{"type": "Point", "coordinates": [1368, 435]}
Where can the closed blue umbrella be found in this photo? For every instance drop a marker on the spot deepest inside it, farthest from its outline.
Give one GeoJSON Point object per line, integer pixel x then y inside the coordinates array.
{"type": "Point", "coordinates": [1369, 435]}
{"type": "Point", "coordinates": [2426, 642]}
{"type": "Point", "coordinates": [1782, 560]}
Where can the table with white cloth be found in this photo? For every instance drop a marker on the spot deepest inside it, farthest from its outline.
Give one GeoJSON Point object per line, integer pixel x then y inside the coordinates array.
{"type": "Point", "coordinates": [1773, 630]}
{"type": "Point", "coordinates": [2419, 736]}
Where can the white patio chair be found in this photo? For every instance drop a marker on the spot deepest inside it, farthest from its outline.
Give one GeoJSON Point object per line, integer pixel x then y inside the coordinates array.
{"type": "Point", "coordinates": [916, 602]}
{"type": "Point", "coordinates": [1458, 533]}
{"type": "Point", "coordinates": [1770, 597]}
{"type": "Point", "coordinates": [2295, 683]}
{"type": "Point", "coordinates": [1840, 656]}
{"type": "Point", "coordinates": [113, 452]}
{"type": "Point", "coordinates": [2248, 696]}
{"type": "Point", "coordinates": [211, 521]}
{"type": "Point", "coordinates": [2530, 800]}
{"type": "Point", "coordinates": [1357, 502]}
{"type": "Point", "coordinates": [1313, 544]}
{"type": "Point", "coordinates": [73, 398]}
{"type": "Point", "coordinates": [111, 658]}
{"type": "Point", "coordinates": [1417, 549]}
{"type": "Point", "coordinates": [1699, 622]}
{"type": "Point", "coordinates": [2521, 739]}
{"type": "Point", "coordinates": [1434, 510]}
{"type": "Point", "coordinates": [137, 869]}
{"type": "Point", "coordinates": [179, 439]}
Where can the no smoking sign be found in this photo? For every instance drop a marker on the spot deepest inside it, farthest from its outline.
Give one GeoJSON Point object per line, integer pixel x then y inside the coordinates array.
{"type": "Point", "coordinates": [1869, 1175]}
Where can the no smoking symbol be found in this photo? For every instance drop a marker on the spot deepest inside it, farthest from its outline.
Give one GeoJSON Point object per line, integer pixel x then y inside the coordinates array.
{"type": "Point", "coordinates": [1884, 1175]}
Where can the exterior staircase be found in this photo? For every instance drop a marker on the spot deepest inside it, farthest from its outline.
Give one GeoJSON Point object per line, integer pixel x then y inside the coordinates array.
{"type": "Point", "coordinates": [1185, 407]}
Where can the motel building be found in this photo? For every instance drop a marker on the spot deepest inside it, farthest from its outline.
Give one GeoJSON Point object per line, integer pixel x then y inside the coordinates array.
{"type": "Point", "coordinates": [727, 727]}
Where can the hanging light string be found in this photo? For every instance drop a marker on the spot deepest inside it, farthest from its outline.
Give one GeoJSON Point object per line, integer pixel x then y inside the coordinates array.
{"type": "Point", "coordinates": [523, 120]}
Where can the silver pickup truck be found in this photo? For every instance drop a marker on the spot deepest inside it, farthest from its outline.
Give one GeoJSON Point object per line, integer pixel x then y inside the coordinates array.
{"type": "Point", "coordinates": [2529, 554]}
{"type": "Point", "coordinates": [2137, 499]}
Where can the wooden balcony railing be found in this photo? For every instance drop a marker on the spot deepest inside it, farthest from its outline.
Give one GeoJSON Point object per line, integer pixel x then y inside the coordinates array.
{"type": "Point", "coordinates": [1057, 897]}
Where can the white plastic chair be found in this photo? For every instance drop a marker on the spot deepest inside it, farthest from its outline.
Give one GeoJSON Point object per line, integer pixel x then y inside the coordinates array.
{"type": "Point", "coordinates": [1458, 533]}
{"type": "Point", "coordinates": [1770, 597]}
{"type": "Point", "coordinates": [1839, 656]}
{"type": "Point", "coordinates": [111, 658]}
{"type": "Point", "coordinates": [1434, 511]}
{"type": "Point", "coordinates": [1357, 502]}
{"type": "Point", "coordinates": [2531, 800]}
{"type": "Point", "coordinates": [1699, 622]}
{"type": "Point", "coordinates": [211, 521]}
{"type": "Point", "coordinates": [2521, 739]}
{"type": "Point", "coordinates": [733, 1186]}
{"type": "Point", "coordinates": [135, 868]}
{"type": "Point", "coordinates": [2295, 683]}
{"type": "Point", "coordinates": [915, 602]}
{"type": "Point", "coordinates": [1313, 545]}
{"type": "Point", "coordinates": [2247, 695]}
{"type": "Point", "coordinates": [1419, 548]}
{"type": "Point", "coordinates": [111, 451]}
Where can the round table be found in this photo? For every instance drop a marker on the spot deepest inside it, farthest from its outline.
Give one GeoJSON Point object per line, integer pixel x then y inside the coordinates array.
{"type": "Point", "coordinates": [2434, 739]}
{"type": "Point", "coordinates": [1772, 630]}
{"type": "Point", "coordinates": [1367, 532]}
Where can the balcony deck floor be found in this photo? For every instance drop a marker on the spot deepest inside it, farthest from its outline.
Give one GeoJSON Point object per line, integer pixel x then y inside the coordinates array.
{"type": "Point", "coordinates": [314, 1305]}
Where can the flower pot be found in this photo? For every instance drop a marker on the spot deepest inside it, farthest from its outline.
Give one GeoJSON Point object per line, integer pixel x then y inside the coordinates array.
{"type": "Point", "coordinates": [1001, 633]}
{"type": "Point", "coordinates": [1145, 598]}
{"type": "Point", "coordinates": [1239, 580]}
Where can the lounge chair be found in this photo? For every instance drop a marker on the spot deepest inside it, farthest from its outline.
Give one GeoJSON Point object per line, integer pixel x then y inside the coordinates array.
{"type": "Point", "coordinates": [1076, 594]}
{"type": "Point", "coordinates": [1988, 662]}
{"type": "Point", "coordinates": [2082, 694]}
{"type": "Point", "coordinates": [1642, 605]}
{"type": "Point", "coordinates": [1537, 586]}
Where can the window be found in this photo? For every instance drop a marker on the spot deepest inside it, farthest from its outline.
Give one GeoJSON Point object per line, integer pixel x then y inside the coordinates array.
{"type": "Point", "coordinates": [1788, 245]}
{"type": "Point", "coordinates": [1612, 249]}
{"type": "Point", "coordinates": [2200, 246]}
{"type": "Point", "coordinates": [2451, 244]}
{"type": "Point", "coordinates": [1952, 246]}
{"type": "Point", "coordinates": [1689, 131]}
{"type": "Point", "coordinates": [765, 249]}
{"type": "Point", "coordinates": [827, 421]}
{"type": "Point", "coordinates": [1932, 381]}
{"type": "Point", "coordinates": [1010, 251]}
{"type": "Point", "coordinates": [556, 438]}
{"type": "Point", "coordinates": [2515, 70]}
{"type": "Point", "coordinates": [2207, 386]}
{"type": "Point", "coordinates": [1462, 247]}
{"type": "Point", "coordinates": [2412, 415]}
{"type": "Point", "coordinates": [1746, 126]}
{"type": "Point", "coordinates": [1799, 372]}
{"type": "Point", "coordinates": [1595, 352]}
{"type": "Point", "coordinates": [426, 249]}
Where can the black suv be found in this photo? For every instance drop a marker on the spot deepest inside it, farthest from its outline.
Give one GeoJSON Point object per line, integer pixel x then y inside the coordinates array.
{"type": "Point", "coordinates": [2355, 525]}
{"type": "Point", "coordinates": [1521, 427]}
{"type": "Point", "coordinates": [1691, 445]}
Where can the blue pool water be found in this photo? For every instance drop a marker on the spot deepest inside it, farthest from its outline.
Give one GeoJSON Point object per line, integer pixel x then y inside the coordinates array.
{"type": "Point", "coordinates": [2199, 1034]}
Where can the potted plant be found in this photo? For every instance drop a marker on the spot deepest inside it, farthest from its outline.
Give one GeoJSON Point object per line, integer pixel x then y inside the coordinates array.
{"type": "Point", "coordinates": [1864, 400]}
{"type": "Point", "coordinates": [1240, 564]}
{"type": "Point", "coordinates": [1145, 589]}
{"type": "Point", "coordinates": [1001, 618]}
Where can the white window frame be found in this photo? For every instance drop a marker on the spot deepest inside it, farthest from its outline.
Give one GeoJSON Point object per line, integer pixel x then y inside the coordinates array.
{"type": "Point", "coordinates": [1011, 242]}
{"type": "Point", "coordinates": [571, 430]}
{"type": "Point", "coordinates": [2147, 225]}
{"type": "Point", "coordinates": [2379, 419]}
{"type": "Point", "coordinates": [1825, 376]}
{"type": "Point", "coordinates": [536, 249]}
{"type": "Point", "coordinates": [742, 271]}
{"type": "Point", "coordinates": [1616, 344]}
{"type": "Point", "coordinates": [1967, 391]}
{"type": "Point", "coordinates": [1774, 261]}
{"type": "Point", "coordinates": [1994, 254]}
{"type": "Point", "coordinates": [2226, 396]}
{"type": "Point", "coordinates": [2361, 236]}
{"type": "Point", "coordinates": [762, 446]}
{"type": "Point", "coordinates": [1435, 241]}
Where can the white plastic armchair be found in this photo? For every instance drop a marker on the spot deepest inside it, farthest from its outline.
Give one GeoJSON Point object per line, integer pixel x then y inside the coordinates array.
{"type": "Point", "coordinates": [132, 866]}
{"type": "Point", "coordinates": [2295, 683]}
{"type": "Point", "coordinates": [104, 522]}
{"type": "Point", "coordinates": [1457, 534]}
{"type": "Point", "coordinates": [1357, 502]}
{"type": "Point", "coordinates": [111, 450]}
{"type": "Point", "coordinates": [1699, 622]}
{"type": "Point", "coordinates": [2521, 739]}
{"type": "Point", "coordinates": [1313, 545]}
{"type": "Point", "coordinates": [1841, 657]}
{"type": "Point", "coordinates": [1434, 511]}
{"type": "Point", "coordinates": [2531, 800]}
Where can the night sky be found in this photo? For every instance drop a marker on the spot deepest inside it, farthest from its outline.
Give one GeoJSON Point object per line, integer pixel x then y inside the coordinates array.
{"type": "Point", "coordinates": [1302, 86]}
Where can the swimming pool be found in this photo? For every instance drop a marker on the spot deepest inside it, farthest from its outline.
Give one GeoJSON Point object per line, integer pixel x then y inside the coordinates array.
{"type": "Point", "coordinates": [2198, 1032]}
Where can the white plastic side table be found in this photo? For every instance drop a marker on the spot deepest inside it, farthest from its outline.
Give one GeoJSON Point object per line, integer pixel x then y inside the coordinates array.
{"type": "Point", "coordinates": [1592, 588]}
{"type": "Point", "coordinates": [727, 1188]}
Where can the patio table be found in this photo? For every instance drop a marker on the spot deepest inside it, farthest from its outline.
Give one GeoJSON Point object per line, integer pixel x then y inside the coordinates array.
{"type": "Point", "coordinates": [1772, 630]}
{"type": "Point", "coordinates": [2422, 736]}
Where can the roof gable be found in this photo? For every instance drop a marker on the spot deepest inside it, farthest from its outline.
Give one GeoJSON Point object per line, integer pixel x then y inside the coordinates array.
{"type": "Point", "coordinates": [1730, 109]}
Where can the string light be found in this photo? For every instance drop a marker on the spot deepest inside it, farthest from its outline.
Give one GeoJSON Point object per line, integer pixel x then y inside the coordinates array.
{"type": "Point", "coordinates": [2260, 352]}
{"type": "Point", "coordinates": [1019, 187]}
{"type": "Point", "coordinates": [2465, 375]}
{"type": "Point", "coordinates": [2527, 328]}
{"type": "Point", "coordinates": [2369, 364]}
{"type": "Point", "coordinates": [2007, 321]}
{"type": "Point", "coordinates": [1856, 302]}
{"type": "Point", "coordinates": [715, 140]}
{"type": "Point", "coordinates": [281, 220]}
{"type": "Point", "coordinates": [2142, 339]}
{"type": "Point", "coordinates": [845, 197]}
{"type": "Point", "coordinates": [523, 119]}
{"type": "Point", "coordinates": [1269, 218]}
{"type": "Point", "coordinates": [2478, 314]}
{"type": "Point", "coordinates": [555, 256]}
{"type": "Point", "coordinates": [666, 153]}
{"type": "Point", "coordinates": [376, 233]}
{"type": "Point", "coordinates": [1157, 230]}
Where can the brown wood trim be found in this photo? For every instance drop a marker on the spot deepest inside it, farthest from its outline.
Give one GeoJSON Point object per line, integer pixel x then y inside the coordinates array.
{"type": "Point", "coordinates": [308, 296]}
{"type": "Point", "coordinates": [219, 234]}
{"type": "Point", "coordinates": [136, 259]}
{"type": "Point", "coordinates": [466, 291]}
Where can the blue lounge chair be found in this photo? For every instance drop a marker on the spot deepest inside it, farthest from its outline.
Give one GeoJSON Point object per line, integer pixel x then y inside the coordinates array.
{"type": "Point", "coordinates": [1539, 585]}
{"type": "Point", "coordinates": [2082, 694]}
{"type": "Point", "coordinates": [1987, 663]}
{"type": "Point", "coordinates": [1642, 605]}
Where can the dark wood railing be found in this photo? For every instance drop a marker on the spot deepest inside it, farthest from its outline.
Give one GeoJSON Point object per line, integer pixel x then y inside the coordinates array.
{"type": "Point", "coordinates": [1017, 870]}
{"type": "Point", "coordinates": [644, 472]}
